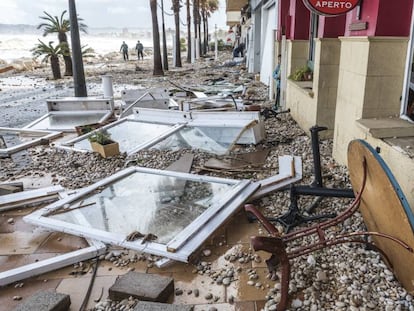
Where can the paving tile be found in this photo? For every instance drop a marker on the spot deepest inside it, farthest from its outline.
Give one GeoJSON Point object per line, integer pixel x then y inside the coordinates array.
{"type": "Point", "coordinates": [189, 282]}
{"type": "Point", "coordinates": [61, 243]}
{"type": "Point", "coordinates": [245, 306]}
{"type": "Point", "coordinates": [144, 286]}
{"type": "Point", "coordinates": [70, 272]}
{"type": "Point", "coordinates": [154, 306]}
{"type": "Point", "coordinates": [21, 242]}
{"type": "Point", "coordinates": [45, 301]}
{"type": "Point", "coordinates": [220, 262]}
{"type": "Point", "coordinates": [241, 233]}
{"type": "Point", "coordinates": [174, 267]}
{"type": "Point", "coordinates": [14, 261]}
{"type": "Point", "coordinates": [218, 306]}
{"type": "Point", "coordinates": [31, 286]}
{"type": "Point", "coordinates": [108, 268]}
{"type": "Point", "coordinates": [243, 292]}
{"type": "Point", "coordinates": [263, 256]}
{"type": "Point", "coordinates": [18, 225]}
{"type": "Point", "coordinates": [77, 287]}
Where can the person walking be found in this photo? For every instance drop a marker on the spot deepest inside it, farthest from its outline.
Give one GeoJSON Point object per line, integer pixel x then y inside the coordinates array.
{"type": "Point", "coordinates": [124, 50]}
{"type": "Point", "coordinates": [276, 76]}
{"type": "Point", "coordinates": [140, 49]}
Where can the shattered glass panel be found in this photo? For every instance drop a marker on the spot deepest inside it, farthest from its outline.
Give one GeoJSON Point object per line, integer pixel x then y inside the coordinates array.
{"type": "Point", "coordinates": [144, 203]}
{"type": "Point", "coordinates": [68, 121]}
{"type": "Point", "coordinates": [211, 139]}
{"type": "Point", "coordinates": [129, 134]}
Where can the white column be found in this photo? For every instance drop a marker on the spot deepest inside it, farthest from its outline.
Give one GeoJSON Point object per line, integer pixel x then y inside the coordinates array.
{"type": "Point", "coordinates": [108, 91]}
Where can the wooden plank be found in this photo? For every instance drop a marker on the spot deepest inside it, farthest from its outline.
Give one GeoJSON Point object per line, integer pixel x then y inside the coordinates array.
{"type": "Point", "coordinates": [238, 161]}
{"type": "Point", "coordinates": [384, 209]}
{"type": "Point", "coordinates": [183, 164]}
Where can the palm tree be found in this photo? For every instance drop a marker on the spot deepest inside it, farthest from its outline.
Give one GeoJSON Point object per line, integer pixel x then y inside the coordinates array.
{"type": "Point", "coordinates": [61, 26]}
{"type": "Point", "coordinates": [49, 52]}
{"type": "Point", "coordinates": [188, 32]}
{"type": "Point", "coordinates": [207, 8]}
{"type": "Point", "coordinates": [196, 20]}
{"type": "Point", "coordinates": [156, 40]}
{"type": "Point", "coordinates": [176, 8]}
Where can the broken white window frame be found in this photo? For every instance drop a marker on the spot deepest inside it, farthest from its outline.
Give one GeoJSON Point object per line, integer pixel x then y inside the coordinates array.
{"type": "Point", "coordinates": [251, 130]}
{"type": "Point", "coordinates": [157, 97]}
{"type": "Point", "coordinates": [106, 114]}
{"type": "Point", "coordinates": [43, 195]}
{"type": "Point", "coordinates": [69, 145]}
{"type": "Point", "coordinates": [30, 197]}
{"type": "Point", "coordinates": [179, 248]}
{"type": "Point", "coordinates": [94, 249]}
{"type": "Point", "coordinates": [209, 119]}
{"type": "Point", "coordinates": [290, 171]}
{"type": "Point", "coordinates": [89, 103]}
{"type": "Point", "coordinates": [46, 135]}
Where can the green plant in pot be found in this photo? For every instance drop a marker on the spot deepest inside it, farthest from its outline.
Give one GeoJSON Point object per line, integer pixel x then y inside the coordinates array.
{"type": "Point", "coordinates": [302, 74]}
{"type": "Point", "coordinates": [102, 143]}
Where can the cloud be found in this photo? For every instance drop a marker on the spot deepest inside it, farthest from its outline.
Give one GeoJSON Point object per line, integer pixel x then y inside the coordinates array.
{"type": "Point", "coordinates": [117, 10]}
{"type": "Point", "coordinates": [95, 13]}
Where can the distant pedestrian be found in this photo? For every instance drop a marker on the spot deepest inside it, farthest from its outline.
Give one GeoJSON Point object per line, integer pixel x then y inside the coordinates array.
{"type": "Point", "coordinates": [276, 77]}
{"type": "Point", "coordinates": [124, 50]}
{"type": "Point", "coordinates": [140, 49]}
{"type": "Point", "coordinates": [239, 50]}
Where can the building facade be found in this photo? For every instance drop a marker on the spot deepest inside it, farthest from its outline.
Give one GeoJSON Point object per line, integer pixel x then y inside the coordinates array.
{"type": "Point", "coordinates": [360, 66]}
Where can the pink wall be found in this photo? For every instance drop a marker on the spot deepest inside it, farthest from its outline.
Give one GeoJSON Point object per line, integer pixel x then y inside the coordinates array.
{"type": "Point", "coordinates": [384, 18]}
{"type": "Point", "coordinates": [300, 16]}
{"type": "Point", "coordinates": [331, 27]}
{"type": "Point", "coordinates": [284, 20]}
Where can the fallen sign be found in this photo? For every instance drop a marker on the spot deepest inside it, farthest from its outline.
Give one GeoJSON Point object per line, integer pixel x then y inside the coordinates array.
{"type": "Point", "coordinates": [178, 211]}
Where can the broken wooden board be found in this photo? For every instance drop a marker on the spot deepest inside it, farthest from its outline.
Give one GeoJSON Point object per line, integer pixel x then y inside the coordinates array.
{"type": "Point", "coordinates": [183, 164]}
{"type": "Point", "coordinates": [239, 161]}
{"type": "Point", "coordinates": [384, 209]}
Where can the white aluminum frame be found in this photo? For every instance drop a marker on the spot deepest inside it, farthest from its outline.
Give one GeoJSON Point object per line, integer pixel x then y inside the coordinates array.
{"type": "Point", "coordinates": [105, 117]}
{"type": "Point", "coordinates": [27, 197]}
{"type": "Point", "coordinates": [178, 120]}
{"type": "Point", "coordinates": [69, 145]}
{"type": "Point", "coordinates": [290, 171]}
{"type": "Point", "coordinates": [179, 248]}
{"type": "Point", "coordinates": [17, 274]}
{"type": "Point", "coordinates": [48, 135]}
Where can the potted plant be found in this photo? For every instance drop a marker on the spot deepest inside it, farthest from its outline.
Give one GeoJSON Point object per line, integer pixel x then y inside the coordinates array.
{"type": "Point", "coordinates": [302, 74]}
{"type": "Point", "coordinates": [102, 143]}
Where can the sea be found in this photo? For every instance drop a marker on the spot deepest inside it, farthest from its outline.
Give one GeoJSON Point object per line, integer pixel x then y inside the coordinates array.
{"type": "Point", "coordinates": [17, 46]}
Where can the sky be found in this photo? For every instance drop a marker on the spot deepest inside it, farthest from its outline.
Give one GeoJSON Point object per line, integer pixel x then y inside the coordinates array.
{"type": "Point", "coordinates": [97, 13]}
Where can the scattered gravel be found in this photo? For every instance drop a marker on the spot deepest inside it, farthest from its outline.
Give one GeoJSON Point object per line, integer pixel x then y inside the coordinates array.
{"type": "Point", "coordinates": [344, 277]}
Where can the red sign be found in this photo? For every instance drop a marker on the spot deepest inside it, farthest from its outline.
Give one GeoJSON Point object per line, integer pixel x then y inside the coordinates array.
{"type": "Point", "coordinates": [331, 7]}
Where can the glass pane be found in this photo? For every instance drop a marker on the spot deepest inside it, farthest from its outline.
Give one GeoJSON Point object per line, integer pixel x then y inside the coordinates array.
{"type": "Point", "coordinates": [129, 134]}
{"type": "Point", "coordinates": [147, 203]}
{"type": "Point", "coordinates": [209, 139]}
{"type": "Point", "coordinates": [62, 121]}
